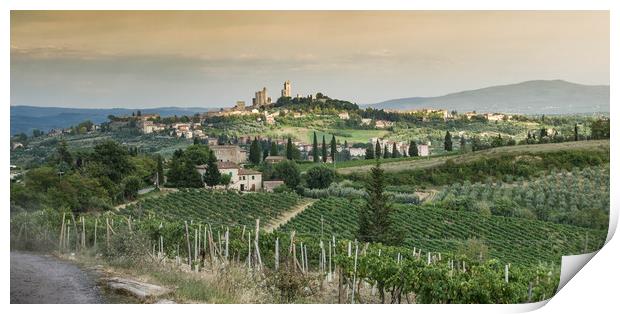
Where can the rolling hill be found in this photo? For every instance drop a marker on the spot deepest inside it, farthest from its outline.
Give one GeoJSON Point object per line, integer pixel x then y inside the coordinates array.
{"type": "Point", "coordinates": [530, 97]}
{"type": "Point", "coordinates": [26, 118]}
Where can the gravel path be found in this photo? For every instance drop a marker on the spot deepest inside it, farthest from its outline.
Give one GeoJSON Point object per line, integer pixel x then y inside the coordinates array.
{"type": "Point", "coordinates": [45, 279]}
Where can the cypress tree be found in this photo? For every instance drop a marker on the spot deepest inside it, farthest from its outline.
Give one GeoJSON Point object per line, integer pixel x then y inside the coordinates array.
{"type": "Point", "coordinates": [386, 153]}
{"type": "Point", "coordinates": [370, 151]}
{"type": "Point", "coordinates": [447, 144]}
{"type": "Point", "coordinates": [413, 149]}
{"type": "Point", "coordinates": [315, 149]}
{"type": "Point", "coordinates": [255, 152]}
{"type": "Point", "coordinates": [196, 141]}
{"type": "Point", "coordinates": [395, 153]}
{"type": "Point", "coordinates": [377, 150]}
{"type": "Point", "coordinates": [463, 143]}
{"type": "Point", "coordinates": [160, 170]}
{"type": "Point", "coordinates": [576, 133]}
{"type": "Point", "coordinates": [333, 148]}
{"type": "Point", "coordinates": [324, 150]}
{"type": "Point", "coordinates": [374, 219]}
{"type": "Point", "coordinates": [274, 149]}
{"type": "Point", "coordinates": [289, 149]}
{"type": "Point", "coordinates": [212, 175]}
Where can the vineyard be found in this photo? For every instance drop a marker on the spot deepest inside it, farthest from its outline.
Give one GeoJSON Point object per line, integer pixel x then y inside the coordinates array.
{"type": "Point", "coordinates": [214, 207]}
{"type": "Point", "coordinates": [368, 273]}
{"type": "Point", "coordinates": [512, 240]}
{"type": "Point", "coordinates": [579, 198]}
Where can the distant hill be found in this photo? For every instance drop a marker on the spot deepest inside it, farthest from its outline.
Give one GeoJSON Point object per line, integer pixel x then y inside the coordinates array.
{"type": "Point", "coordinates": [26, 118]}
{"type": "Point", "coordinates": [531, 97]}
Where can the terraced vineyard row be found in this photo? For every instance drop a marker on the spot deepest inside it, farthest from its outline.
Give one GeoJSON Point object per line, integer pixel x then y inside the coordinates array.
{"type": "Point", "coordinates": [215, 207]}
{"type": "Point", "coordinates": [513, 240]}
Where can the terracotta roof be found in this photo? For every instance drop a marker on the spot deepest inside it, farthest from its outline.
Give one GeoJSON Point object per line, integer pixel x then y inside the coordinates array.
{"type": "Point", "coordinates": [244, 171]}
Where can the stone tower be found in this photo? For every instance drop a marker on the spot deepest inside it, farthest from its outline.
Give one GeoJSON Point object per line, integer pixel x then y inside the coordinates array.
{"type": "Point", "coordinates": [286, 92]}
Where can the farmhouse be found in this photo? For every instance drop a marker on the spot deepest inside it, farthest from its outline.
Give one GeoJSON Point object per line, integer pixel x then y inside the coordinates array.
{"type": "Point", "coordinates": [240, 179]}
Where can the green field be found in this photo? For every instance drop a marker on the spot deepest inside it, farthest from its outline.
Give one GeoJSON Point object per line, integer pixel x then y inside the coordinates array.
{"type": "Point", "coordinates": [512, 240]}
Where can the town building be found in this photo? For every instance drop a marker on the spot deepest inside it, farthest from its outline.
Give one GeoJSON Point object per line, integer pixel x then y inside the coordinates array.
{"type": "Point", "coordinates": [423, 150]}
{"type": "Point", "coordinates": [229, 153]}
{"type": "Point", "coordinates": [357, 153]}
{"type": "Point", "coordinates": [274, 159]}
{"type": "Point", "coordinates": [344, 115]}
{"type": "Point", "coordinates": [286, 92]}
{"type": "Point", "coordinates": [261, 98]}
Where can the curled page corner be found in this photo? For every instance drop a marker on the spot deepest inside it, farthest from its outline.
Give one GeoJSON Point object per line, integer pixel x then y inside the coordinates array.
{"type": "Point", "coordinates": [572, 264]}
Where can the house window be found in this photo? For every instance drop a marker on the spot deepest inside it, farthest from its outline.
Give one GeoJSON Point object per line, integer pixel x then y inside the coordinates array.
{"type": "Point", "coordinates": [252, 177]}
{"type": "Point", "coordinates": [243, 177]}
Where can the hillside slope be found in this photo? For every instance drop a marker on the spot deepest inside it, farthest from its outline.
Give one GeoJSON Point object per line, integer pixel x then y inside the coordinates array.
{"type": "Point", "coordinates": [530, 97]}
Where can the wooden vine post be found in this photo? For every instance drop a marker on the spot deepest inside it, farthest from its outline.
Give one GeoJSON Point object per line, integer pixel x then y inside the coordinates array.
{"type": "Point", "coordinates": [189, 247]}
{"type": "Point", "coordinates": [62, 234]}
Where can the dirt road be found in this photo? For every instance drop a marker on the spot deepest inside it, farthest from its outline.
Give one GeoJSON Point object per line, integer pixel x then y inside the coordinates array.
{"type": "Point", "coordinates": [45, 279]}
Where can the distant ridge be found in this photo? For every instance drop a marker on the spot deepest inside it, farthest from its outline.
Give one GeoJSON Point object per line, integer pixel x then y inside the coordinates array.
{"type": "Point", "coordinates": [26, 118]}
{"type": "Point", "coordinates": [530, 97]}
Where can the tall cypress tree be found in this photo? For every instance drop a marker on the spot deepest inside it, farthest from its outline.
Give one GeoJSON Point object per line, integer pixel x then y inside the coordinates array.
{"type": "Point", "coordinates": [395, 153]}
{"type": "Point", "coordinates": [324, 150]}
{"type": "Point", "coordinates": [315, 149]}
{"type": "Point", "coordinates": [333, 148]}
{"type": "Point", "coordinates": [576, 133]}
{"type": "Point", "coordinates": [447, 143]}
{"type": "Point", "coordinates": [370, 151]}
{"type": "Point", "coordinates": [160, 171]}
{"type": "Point", "coordinates": [378, 150]}
{"type": "Point", "coordinates": [289, 149]}
{"type": "Point", "coordinates": [413, 149]}
{"type": "Point", "coordinates": [274, 149]}
{"type": "Point", "coordinates": [463, 143]}
{"type": "Point", "coordinates": [212, 175]}
{"type": "Point", "coordinates": [386, 153]}
{"type": "Point", "coordinates": [255, 152]}
{"type": "Point", "coordinates": [374, 219]}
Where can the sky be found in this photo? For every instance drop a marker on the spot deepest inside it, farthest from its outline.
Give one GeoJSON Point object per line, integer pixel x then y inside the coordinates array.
{"type": "Point", "coordinates": [146, 59]}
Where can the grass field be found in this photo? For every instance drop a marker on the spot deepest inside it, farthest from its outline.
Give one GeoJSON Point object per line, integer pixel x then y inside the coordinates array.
{"type": "Point", "coordinates": [432, 161]}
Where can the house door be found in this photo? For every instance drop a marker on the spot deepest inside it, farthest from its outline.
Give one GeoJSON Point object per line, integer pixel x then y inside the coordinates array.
{"type": "Point", "coordinates": [242, 187]}
{"type": "Point", "coordinates": [253, 187]}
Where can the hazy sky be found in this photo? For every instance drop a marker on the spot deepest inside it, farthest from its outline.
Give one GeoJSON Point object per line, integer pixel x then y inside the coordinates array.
{"type": "Point", "coordinates": [144, 59]}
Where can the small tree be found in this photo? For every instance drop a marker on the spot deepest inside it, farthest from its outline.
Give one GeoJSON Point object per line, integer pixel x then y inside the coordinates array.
{"type": "Point", "coordinates": [413, 149]}
{"type": "Point", "coordinates": [225, 179]}
{"type": "Point", "coordinates": [212, 176]}
{"type": "Point", "coordinates": [320, 177]}
{"type": "Point", "coordinates": [315, 149]}
{"type": "Point", "coordinates": [288, 171]}
{"type": "Point", "coordinates": [370, 151]}
{"type": "Point", "coordinates": [447, 144]}
{"type": "Point", "coordinates": [386, 153]}
{"type": "Point", "coordinates": [463, 144]}
{"type": "Point", "coordinates": [131, 186]}
{"type": "Point", "coordinates": [378, 150]}
{"type": "Point", "coordinates": [289, 149]}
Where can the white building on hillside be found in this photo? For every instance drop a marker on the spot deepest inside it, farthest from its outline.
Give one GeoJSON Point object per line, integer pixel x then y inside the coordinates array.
{"type": "Point", "coordinates": [240, 179]}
